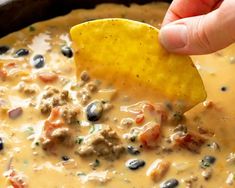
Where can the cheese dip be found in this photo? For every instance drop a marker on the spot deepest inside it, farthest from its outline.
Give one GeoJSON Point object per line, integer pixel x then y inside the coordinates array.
{"type": "Point", "coordinates": [57, 131]}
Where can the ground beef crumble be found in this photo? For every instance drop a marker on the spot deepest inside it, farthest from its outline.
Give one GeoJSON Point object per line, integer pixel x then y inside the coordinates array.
{"type": "Point", "coordinates": [28, 89]}
{"type": "Point", "coordinates": [70, 115]}
{"type": "Point", "coordinates": [104, 143]}
{"type": "Point", "coordinates": [57, 131]}
{"type": "Point", "coordinates": [52, 97]}
{"type": "Point", "coordinates": [61, 135]}
{"type": "Point", "coordinates": [88, 87]}
{"type": "Point", "coordinates": [84, 76]}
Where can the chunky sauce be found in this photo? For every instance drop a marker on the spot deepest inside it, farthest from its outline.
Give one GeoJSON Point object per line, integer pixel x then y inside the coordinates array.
{"type": "Point", "coordinates": [58, 132]}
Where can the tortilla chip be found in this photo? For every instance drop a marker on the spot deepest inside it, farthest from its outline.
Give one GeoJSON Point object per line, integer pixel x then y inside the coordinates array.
{"type": "Point", "coordinates": [128, 54]}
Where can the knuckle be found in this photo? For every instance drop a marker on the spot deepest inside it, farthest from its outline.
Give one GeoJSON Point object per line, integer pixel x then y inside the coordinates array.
{"type": "Point", "coordinates": [202, 36]}
{"type": "Point", "coordinates": [227, 22]}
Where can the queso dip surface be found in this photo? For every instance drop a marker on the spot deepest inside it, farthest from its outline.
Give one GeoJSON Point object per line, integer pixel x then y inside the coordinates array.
{"type": "Point", "coordinates": [60, 132]}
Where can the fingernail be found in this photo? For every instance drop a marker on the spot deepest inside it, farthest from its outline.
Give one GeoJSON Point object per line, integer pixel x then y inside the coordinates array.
{"type": "Point", "coordinates": [173, 37]}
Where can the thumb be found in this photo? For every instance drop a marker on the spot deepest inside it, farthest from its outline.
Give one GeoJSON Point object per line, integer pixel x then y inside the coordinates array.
{"type": "Point", "coordinates": [200, 34]}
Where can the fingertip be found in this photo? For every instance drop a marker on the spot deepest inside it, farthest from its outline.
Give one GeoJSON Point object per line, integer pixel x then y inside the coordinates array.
{"type": "Point", "coordinates": [173, 37]}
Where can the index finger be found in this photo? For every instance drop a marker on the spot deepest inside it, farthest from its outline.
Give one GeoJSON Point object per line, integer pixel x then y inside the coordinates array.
{"type": "Point", "coordinates": [188, 8]}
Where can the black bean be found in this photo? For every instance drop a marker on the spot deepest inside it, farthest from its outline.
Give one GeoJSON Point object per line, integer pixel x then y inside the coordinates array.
{"type": "Point", "coordinates": [207, 161]}
{"type": "Point", "coordinates": [133, 150]}
{"type": "Point", "coordinates": [21, 52]}
{"type": "Point", "coordinates": [224, 88]}
{"type": "Point", "coordinates": [38, 61]}
{"type": "Point", "coordinates": [134, 164]}
{"type": "Point", "coordinates": [94, 111]}
{"type": "Point", "coordinates": [1, 144]}
{"type": "Point", "coordinates": [171, 183]}
{"type": "Point", "coordinates": [210, 159]}
{"type": "Point", "coordinates": [65, 158]}
{"type": "Point", "coordinates": [3, 49]}
{"type": "Point", "coordinates": [67, 51]}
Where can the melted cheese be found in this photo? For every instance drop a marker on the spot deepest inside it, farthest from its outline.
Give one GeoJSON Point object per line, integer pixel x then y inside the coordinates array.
{"type": "Point", "coordinates": [215, 116]}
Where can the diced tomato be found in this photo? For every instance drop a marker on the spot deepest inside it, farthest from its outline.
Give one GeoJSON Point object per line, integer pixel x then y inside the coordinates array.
{"type": "Point", "coordinates": [3, 74]}
{"type": "Point", "coordinates": [150, 134]}
{"type": "Point", "coordinates": [48, 77]}
{"type": "Point", "coordinates": [11, 65]}
{"type": "Point", "coordinates": [55, 114]}
{"type": "Point", "coordinates": [156, 111]}
{"type": "Point", "coordinates": [139, 118]}
{"type": "Point", "coordinates": [190, 141]}
{"type": "Point", "coordinates": [54, 121]}
{"type": "Point", "coordinates": [15, 179]}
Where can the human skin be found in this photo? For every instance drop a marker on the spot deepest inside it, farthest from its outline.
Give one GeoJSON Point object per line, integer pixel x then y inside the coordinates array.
{"type": "Point", "coordinates": [198, 26]}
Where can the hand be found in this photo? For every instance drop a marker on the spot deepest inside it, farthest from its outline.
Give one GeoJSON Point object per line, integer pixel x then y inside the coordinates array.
{"type": "Point", "coordinates": [198, 26]}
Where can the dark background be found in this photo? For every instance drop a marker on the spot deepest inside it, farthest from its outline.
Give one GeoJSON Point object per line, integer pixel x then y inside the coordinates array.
{"type": "Point", "coordinates": [16, 14]}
